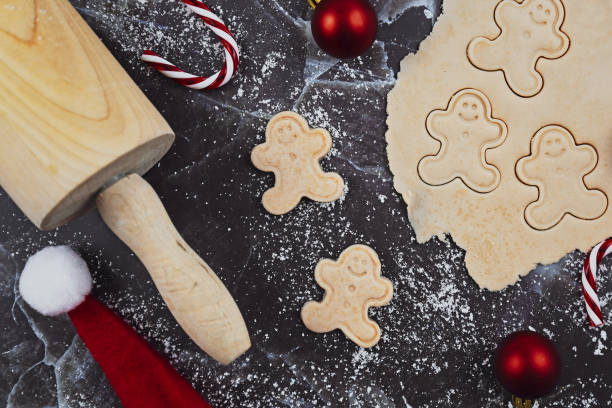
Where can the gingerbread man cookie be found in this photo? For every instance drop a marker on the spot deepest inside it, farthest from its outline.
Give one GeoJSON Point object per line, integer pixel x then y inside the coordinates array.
{"type": "Point", "coordinates": [465, 130]}
{"type": "Point", "coordinates": [352, 284]}
{"type": "Point", "coordinates": [292, 151]}
{"type": "Point", "coordinates": [557, 166]}
{"type": "Point", "coordinates": [529, 31]}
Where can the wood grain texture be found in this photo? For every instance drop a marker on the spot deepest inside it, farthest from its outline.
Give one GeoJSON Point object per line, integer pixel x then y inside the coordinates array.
{"type": "Point", "coordinates": [70, 116]}
{"type": "Point", "coordinates": [197, 298]}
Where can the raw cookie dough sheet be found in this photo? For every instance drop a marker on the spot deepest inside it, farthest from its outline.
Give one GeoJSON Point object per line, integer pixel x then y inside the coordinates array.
{"type": "Point", "coordinates": [535, 213]}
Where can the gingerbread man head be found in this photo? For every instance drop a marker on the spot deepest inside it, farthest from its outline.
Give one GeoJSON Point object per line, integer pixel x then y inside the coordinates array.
{"type": "Point", "coordinates": [544, 12]}
{"type": "Point", "coordinates": [468, 107]}
{"type": "Point", "coordinates": [554, 143]}
{"type": "Point", "coordinates": [539, 24]}
{"type": "Point", "coordinates": [285, 131]}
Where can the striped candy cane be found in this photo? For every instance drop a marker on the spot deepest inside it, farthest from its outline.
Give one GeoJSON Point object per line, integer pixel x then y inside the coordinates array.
{"type": "Point", "coordinates": [589, 275]}
{"type": "Point", "coordinates": [200, 82]}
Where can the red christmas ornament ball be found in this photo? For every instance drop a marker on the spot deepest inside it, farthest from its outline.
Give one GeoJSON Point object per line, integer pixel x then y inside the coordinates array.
{"type": "Point", "coordinates": [527, 364]}
{"type": "Point", "coordinates": [344, 28]}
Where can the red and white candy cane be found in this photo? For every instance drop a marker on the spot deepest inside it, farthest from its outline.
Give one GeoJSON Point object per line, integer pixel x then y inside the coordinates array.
{"type": "Point", "coordinates": [200, 82]}
{"type": "Point", "coordinates": [589, 276]}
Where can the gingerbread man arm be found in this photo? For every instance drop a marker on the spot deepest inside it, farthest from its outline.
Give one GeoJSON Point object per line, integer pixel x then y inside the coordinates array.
{"type": "Point", "coordinates": [323, 143]}
{"type": "Point", "coordinates": [382, 293]}
{"type": "Point", "coordinates": [317, 316]}
{"type": "Point", "coordinates": [564, 41]}
{"type": "Point", "coordinates": [526, 169]}
{"type": "Point", "coordinates": [587, 157]}
{"type": "Point", "coordinates": [436, 124]}
{"type": "Point", "coordinates": [482, 51]}
{"type": "Point", "coordinates": [495, 132]}
{"type": "Point", "coordinates": [507, 10]}
{"type": "Point", "coordinates": [563, 46]}
{"type": "Point", "coordinates": [263, 158]}
{"type": "Point", "coordinates": [324, 272]}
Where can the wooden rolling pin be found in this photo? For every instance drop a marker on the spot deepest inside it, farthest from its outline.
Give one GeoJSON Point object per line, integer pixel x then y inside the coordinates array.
{"type": "Point", "coordinates": [72, 125]}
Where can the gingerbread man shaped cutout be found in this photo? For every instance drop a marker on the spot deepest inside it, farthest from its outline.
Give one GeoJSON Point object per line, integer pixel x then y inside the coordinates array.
{"type": "Point", "coordinates": [557, 167]}
{"type": "Point", "coordinates": [292, 151]}
{"type": "Point", "coordinates": [465, 130]}
{"type": "Point", "coordinates": [352, 285]}
{"type": "Point", "coordinates": [529, 31]}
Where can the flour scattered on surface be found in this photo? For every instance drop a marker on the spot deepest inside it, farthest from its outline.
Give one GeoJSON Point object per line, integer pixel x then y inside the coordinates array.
{"type": "Point", "coordinates": [438, 332]}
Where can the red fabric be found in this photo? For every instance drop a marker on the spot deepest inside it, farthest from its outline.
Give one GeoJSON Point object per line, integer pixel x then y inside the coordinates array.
{"type": "Point", "coordinates": [141, 377]}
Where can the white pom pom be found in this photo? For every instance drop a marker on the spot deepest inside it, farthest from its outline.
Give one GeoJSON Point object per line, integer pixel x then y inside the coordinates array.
{"type": "Point", "coordinates": [55, 280]}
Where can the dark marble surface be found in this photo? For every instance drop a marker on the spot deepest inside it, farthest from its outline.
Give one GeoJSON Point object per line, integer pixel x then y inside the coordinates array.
{"type": "Point", "coordinates": [438, 332]}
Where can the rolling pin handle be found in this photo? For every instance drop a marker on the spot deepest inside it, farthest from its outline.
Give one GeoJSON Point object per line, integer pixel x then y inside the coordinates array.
{"type": "Point", "coordinates": [197, 298]}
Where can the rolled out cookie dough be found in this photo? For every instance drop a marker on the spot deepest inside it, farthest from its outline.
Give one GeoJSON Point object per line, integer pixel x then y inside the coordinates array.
{"type": "Point", "coordinates": [555, 163]}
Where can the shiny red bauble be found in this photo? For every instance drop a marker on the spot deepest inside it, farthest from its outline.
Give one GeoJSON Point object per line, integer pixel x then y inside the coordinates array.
{"type": "Point", "coordinates": [344, 28]}
{"type": "Point", "coordinates": [527, 364]}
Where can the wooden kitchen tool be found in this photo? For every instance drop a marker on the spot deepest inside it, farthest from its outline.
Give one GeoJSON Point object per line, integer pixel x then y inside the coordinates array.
{"type": "Point", "coordinates": [72, 125]}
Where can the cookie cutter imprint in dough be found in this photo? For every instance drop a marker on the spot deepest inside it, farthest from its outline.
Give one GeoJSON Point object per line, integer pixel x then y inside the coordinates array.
{"type": "Point", "coordinates": [557, 166]}
{"type": "Point", "coordinates": [528, 31]}
{"type": "Point", "coordinates": [465, 130]}
{"type": "Point", "coordinates": [352, 284]}
{"type": "Point", "coordinates": [292, 151]}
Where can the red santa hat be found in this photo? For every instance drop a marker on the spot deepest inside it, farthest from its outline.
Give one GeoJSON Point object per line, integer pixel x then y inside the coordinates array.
{"type": "Point", "coordinates": [56, 280]}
